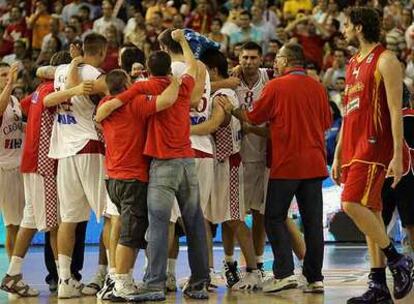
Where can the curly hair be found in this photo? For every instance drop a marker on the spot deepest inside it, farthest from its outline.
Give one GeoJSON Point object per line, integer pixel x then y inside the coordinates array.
{"type": "Point", "coordinates": [370, 21]}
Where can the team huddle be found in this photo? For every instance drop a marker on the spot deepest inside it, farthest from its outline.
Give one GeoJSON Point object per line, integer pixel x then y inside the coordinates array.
{"type": "Point", "coordinates": [189, 148]}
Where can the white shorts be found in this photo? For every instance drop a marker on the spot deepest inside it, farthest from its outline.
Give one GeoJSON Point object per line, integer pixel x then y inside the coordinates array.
{"type": "Point", "coordinates": [41, 211]}
{"type": "Point", "coordinates": [81, 186]}
{"type": "Point", "coordinates": [11, 196]}
{"type": "Point", "coordinates": [228, 195]}
{"type": "Point", "coordinates": [255, 177]}
{"type": "Point", "coordinates": [205, 176]}
{"type": "Point", "coordinates": [111, 209]}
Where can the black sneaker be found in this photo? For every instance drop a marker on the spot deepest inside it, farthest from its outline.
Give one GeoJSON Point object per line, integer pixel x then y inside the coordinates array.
{"type": "Point", "coordinates": [231, 273]}
{"type": "Point", "coordinates": [196, 291]}
{"type": "Point", "coordinates": [377, 293]}
{"type": "Point", "coordinates": [403, 280]}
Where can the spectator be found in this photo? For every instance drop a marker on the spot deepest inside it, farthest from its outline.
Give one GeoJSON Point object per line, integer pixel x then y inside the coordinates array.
{"type": "Point", "coordinates": [320, 11]}
{"type": "Point", "coordinates": [268, 14]}
{"type": "Point", "coordinates": [154, 27]}
{"type": "Point", "coordinates": [164, 8]}
{"type": "Point", "coordinates": [55, 31]}
{"type": "Point", "coordinates": [19, 52]}
{"type": "Point", "coordinates": [17, 27]}
{"type": "Point", "coordinates": [111, 59]}
{"type": "Point", "coordinates": [39, 23]}
{"type": "Point", "coordinates": [274, 46]}
{"type": "Point", "coordinates": [216, 35]}
{"type": "Point", "coordinates": [71, 9]}
{"type": "Point", "coordinates": [76, 22]}
{"type": "Point", "coordinates": [292, 7]}
{"type": "Point", "coordinates": [331, 136]}
{"type": "Point", "coordinates": [336, 94]}
{"type": "Point", "coordinates": [246, 31]}
{"type": "Point", "coordinates": [305, 30]}
{"type": "Point", "coordinates": [200, 19]}
{"type": "Point", "coordinates": [228, 27]}
{"type": "Point", "coordinates": [135, 31]}
{"type": "Point", "coordinates": [107, 19]}
{"type": "Point", "coordinates": [235, 7]}
{"type": "Point", "coordinates": [337, 70]}
{"type": "Point", "coordinates": [6, 46]}
{"type": "Point", "coordinates": [49, 48]}
{"type": "Point", "coordinates": [70, 37]}
{"type": "Point", "coordinates": [266, 28]}
{"type": "Point", "coordinates": [394, 36]}
{"type": "Point", "coordinates": [178, 21]}
{"type": "Point", "coordinates": [84, 13]}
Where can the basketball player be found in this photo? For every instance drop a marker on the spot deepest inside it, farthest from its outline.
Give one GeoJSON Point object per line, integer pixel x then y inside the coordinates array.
{"type": "Point", "coordinates": [75, 143]}
{"type": "Point", "coordinates": [370, 147]}
{"type": "Point", "coordinates": [253, 147]}
{"type": "Point", "coordinates": [228, 204]}
{"type": "Point", "coordinates": [39, 174]}
{"type": "Point", "coordinates": [11, 140]}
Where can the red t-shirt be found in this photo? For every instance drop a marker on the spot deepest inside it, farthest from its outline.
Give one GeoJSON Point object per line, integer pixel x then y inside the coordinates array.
{"type": "Point", "coordinates": [111, 60]}
{"type": "Point", "coordinates": [125, 133]}
{"type": "Point", "coordinates": [168, 130]}
{"type": "Point", "coordinates": [36, 114]}
{"type": "Point", "coordinates": [298, 116]}
{"type": "Point", "coordinates": [15, 31]}
{"type": "Point", "coordinates": [367, 135]}
{"type": "Point", "coordinates": [6, 48]}
{"type": "Point", "coordinates": [312, 48]}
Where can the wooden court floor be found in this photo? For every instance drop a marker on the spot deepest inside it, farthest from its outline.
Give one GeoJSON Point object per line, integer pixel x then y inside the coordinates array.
{"type": "Point", "coordinates": [345, 270]}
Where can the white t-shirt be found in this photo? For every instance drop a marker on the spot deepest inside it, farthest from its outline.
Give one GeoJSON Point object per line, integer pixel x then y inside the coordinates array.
{"type": "Point", "coordinates": [253, 146]}
{"type": "Point", "coordinates": [201, 113]}
{"type": "Point", "coordinates": [11, 136]}
{"type": "Point", "coordinates": [73, 126]}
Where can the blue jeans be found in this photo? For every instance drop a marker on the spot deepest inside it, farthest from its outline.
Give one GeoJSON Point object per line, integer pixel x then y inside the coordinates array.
{"type": "Point", "coordinates": [168, 179]}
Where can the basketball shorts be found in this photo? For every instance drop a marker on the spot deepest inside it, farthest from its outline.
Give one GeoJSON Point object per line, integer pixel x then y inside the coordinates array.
{"type": "Point", "coordinates": [41, 211]}
{"type": "Point", "coordinates": [11, 196]}
{"type": "Point", "coordinates": [255, 178]}
{"type": "Point", "coordinates": [362, 183]}
{"type": "Point", "coordinates": [81, 187]}
{"type": "Point", "coordinates": [228, 195]}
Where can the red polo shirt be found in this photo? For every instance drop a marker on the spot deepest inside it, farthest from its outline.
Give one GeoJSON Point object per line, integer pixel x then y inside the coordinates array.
{"type": "Point", "coordinates": [168, 130]}
{"type": "Point", "coordinates": [125, 133]}
{"type": "Point", "coordinates": [297, 110]}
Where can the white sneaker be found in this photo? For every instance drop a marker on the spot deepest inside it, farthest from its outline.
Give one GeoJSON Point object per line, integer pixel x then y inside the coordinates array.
{"type": "Point", "coordinates": [250, 281]}
{"type": "Point", "coordinates": [315, 287]}
{"type": "Point", "coordinates": [106, 291]}
{"type": "Point", "coordinates": [274, 285]}
{"type": "Point", "coordinates": [171, 283]}
{"type": "Point", "coordinates": [126, 290]}
{"type": "Point", "coordinates": [216, 279]}
{"type": "Point", "coordinates": [95, 285]}
{"type": "Point", "coordinates": [69, 288]}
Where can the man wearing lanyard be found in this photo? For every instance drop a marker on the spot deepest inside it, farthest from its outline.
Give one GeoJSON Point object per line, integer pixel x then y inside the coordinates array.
{"type": "Point", "coordinates": [297, 110]}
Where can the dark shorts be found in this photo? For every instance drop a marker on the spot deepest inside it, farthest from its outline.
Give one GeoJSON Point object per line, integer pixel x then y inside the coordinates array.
{"type": "Point", "coordinates": [130, 198]}
{"type": "Point", "coordinates": [401, 197]}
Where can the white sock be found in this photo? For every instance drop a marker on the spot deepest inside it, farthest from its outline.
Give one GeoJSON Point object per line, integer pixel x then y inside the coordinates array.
{"type": "Point", "coordinates": [102, 269]}
{"type": "Point", "coordinates": [15, 266]}
{"type": "Point", "coordinates": [259, 259]}
{"type": "Point", "coordinates": [64, 266]}
{"type": "Point", "coordinates": [57, 265]}
{"type": "Point", "coordinates": [131, 272]}
{"type": "Point", "coordinates": [229, 258]}
{"type": "Point", "coordinates": [171, 266]}
{"type": "Point", "coordinates": [112, 270]}
{"type": "Point", "coordinates": [107, 256]}
{"type": "Point", "coordinates": [145, 263]}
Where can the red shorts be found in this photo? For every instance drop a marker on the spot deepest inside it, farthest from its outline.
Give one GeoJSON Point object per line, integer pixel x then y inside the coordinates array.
{"type": "Point", "coordinates": [363, 184]}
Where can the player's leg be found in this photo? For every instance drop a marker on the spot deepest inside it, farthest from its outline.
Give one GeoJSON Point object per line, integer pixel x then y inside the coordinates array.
{"type": "Point", "coordinates": [362, 202]}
